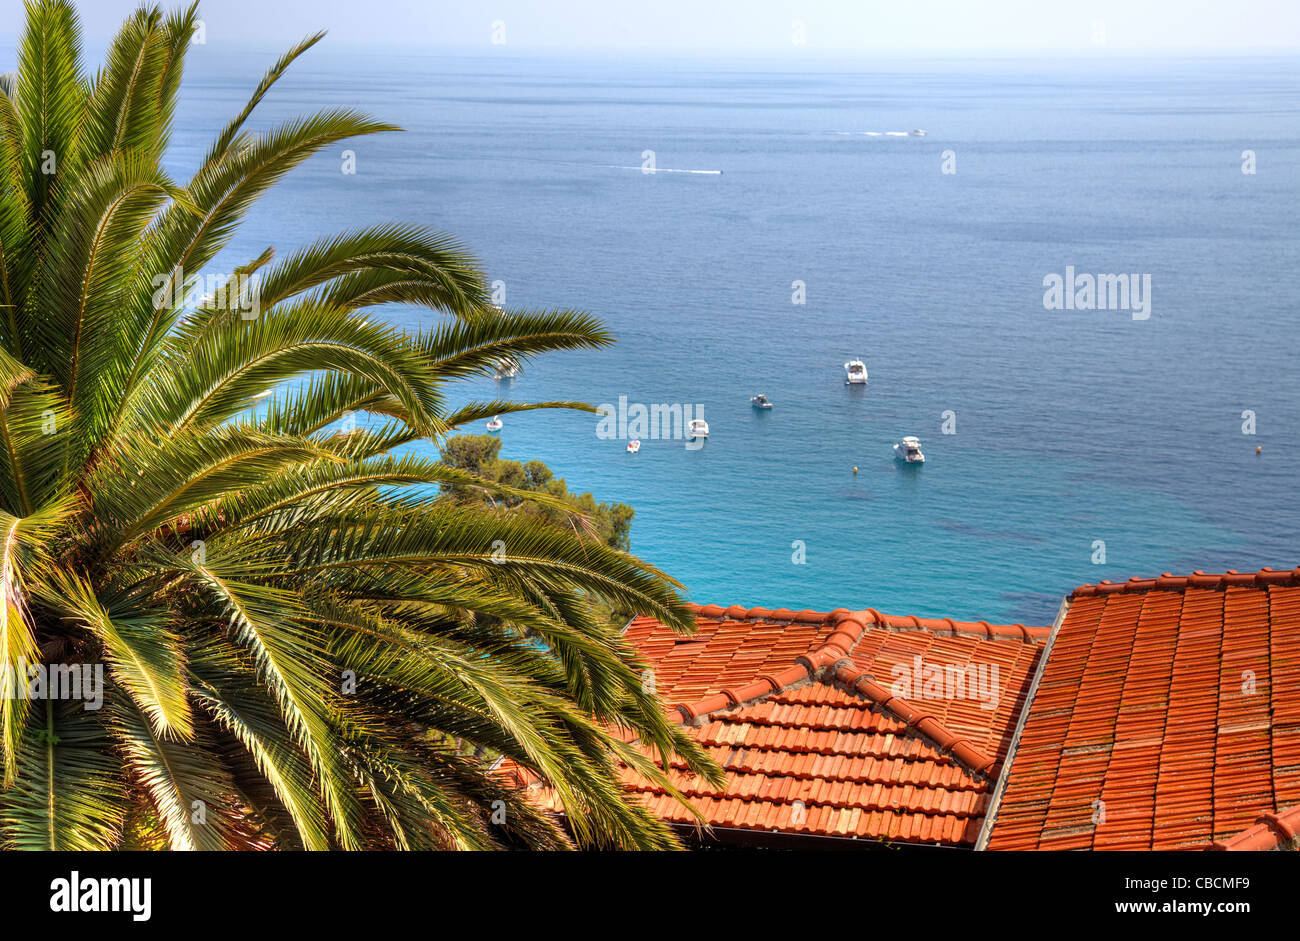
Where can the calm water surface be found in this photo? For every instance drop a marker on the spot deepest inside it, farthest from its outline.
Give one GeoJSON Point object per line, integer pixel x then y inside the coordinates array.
{"type": "Point", "coordinates": [1071, 426]}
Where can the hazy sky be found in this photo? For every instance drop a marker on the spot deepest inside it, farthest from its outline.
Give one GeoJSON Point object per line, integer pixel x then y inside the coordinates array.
{"type": "Point", "coordinates": [739, 27]}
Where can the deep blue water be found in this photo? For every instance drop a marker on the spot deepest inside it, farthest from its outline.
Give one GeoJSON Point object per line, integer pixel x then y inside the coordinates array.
{"type": "Point", "coordinates": [1072, 426]}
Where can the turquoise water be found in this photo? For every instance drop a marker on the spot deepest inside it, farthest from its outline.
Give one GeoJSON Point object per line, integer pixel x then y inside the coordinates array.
{"type": "Point", "coordinates": [1071, 426]}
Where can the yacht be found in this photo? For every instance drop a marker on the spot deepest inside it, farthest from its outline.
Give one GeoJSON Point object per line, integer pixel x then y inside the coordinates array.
{"type": "Point", "coordinates": [916, 132]}
{"type": "Point", "coordinates": [760, 401]}
{"type": "Point", "coordinates": [855, 372]}
{"type": "Point", "coordinates": [909, 450]}
{"type": "Point", "coordinates": [699, 428]}
{"type": "Point", "coordinates": [507, 368]}
{"type": "Point", "coordinates": [495, 423]}
{"type": "Point", "coordinates": [633, 446]}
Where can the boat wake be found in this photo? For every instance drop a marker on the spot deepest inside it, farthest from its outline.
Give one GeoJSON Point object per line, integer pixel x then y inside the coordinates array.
{"type": "Point", "coordinates": [881, 133]}
{"type": "Point", "coordinates": [664, 170]}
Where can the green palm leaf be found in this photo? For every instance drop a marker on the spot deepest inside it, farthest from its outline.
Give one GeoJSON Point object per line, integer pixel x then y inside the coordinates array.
{"type": "Point", "coordinates": [143, 654]}
{"type": "Point", "coordinates": [239, 705]}
{"type": "Point", "coordinates": [71, 795]}
{"type": "Point", "coordinates": [307, 639]}
{"type": "Point", "coordinates": [190, 791]}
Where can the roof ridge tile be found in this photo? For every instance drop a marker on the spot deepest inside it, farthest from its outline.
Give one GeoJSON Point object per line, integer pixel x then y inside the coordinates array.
{"type": "Point", "coordinates": [923, 723]}
{"type": "Point", "coordinates": [1270, 831]}
{"type": "Point", "coordinates": [849, 627]}
{"type": "Point", "coordinates": [870, 617]}
{"type": "Point", "coordinates": [762, 698]}
{"type": "Point", "coordinates": [1198, 579]}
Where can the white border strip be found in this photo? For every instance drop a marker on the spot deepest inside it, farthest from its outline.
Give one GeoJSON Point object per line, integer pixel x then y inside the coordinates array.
{"type": "Point", "coordinates": [1008, 763]}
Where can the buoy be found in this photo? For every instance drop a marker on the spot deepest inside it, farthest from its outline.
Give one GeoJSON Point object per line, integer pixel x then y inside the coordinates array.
{"type": "Point", "coordinates": [855, 470]}
{"type": "Point", "coordinates": [1258, 449]}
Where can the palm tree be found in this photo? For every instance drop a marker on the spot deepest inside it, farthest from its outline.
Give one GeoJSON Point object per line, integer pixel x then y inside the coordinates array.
{"type": "Point", "coordinates": [300, 646]}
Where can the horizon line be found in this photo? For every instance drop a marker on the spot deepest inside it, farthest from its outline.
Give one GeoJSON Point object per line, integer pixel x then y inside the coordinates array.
{"type": "Point", "coordinates": [781, 53]}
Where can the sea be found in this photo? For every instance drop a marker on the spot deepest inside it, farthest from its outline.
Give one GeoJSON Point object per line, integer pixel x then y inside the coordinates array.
{"type": "Point", "coordinates": [1063, 446]}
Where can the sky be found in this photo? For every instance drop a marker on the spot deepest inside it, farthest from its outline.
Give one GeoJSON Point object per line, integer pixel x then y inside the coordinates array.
{"type": "Point", "coordinates": [746, 27]}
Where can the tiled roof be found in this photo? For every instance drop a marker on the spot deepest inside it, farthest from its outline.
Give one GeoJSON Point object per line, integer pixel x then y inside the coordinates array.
{"type": "Point", "coordinates": [799, 709]}
{"type": "Point", "coordinates": [1167, 716]}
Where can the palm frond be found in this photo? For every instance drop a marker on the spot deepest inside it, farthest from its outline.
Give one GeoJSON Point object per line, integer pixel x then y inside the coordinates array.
{"type": "Point", "coordinates": [143, 654]}
{"type": "Point", "coordinates": [237, 703]}
{"type": "Point", "coordinates": [190, 791]}
{"type": "Point", "coordinates": [383, 264]}
{"type": "Point", "coordinates": [290, 662]}
{"type": "Point", "coordinates": [314, 635]}
{"type": "Point", "coordinates": [25, 547]}
{"type": "Point", "coordinates": [72, 794]}
{"type": "Point", "coordinates": [51, 93]}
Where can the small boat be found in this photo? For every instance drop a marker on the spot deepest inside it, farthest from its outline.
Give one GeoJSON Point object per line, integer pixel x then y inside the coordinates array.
{"type": "Point", "coordinates": [633, 446]}
{"type": "Point", "coordinates": [495, 423]}
{"type": "Point", "coordinates": [507, 368]}
{"type": "Point", "coordinates": [699, 428]}
{"type": "Point", "coordinates": [909, 450]}
{"type": "Point", "coordinates": [916, 132]}
{"type": "Point", "coordinates": [855, 372]}
{"type": "Point", "coordinates": [760, 401]}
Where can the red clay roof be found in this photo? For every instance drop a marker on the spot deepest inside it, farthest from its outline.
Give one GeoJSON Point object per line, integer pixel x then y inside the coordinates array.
{"type": "Point", "coordinates": [799, 709]}
{"type": "Point", "coordinates": [1167, 717]}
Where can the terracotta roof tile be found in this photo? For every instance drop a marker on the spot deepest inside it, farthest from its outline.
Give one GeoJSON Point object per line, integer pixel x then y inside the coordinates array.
{"type": "Point", "coordinates": [805, 713]}
{"type": "Point", "coordinates": [1167, 716]}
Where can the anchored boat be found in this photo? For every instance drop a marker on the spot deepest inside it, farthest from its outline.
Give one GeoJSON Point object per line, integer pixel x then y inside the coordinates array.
{"type": "Point", "coordinates": [909, 450]}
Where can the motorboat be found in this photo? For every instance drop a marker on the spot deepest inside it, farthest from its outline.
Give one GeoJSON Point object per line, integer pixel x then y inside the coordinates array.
{"type": "Point", "coordinates": [698, 428]}
{"type": "Point", "coordinates": [916, 132]}
{"type": "Point", "coordinates": [495, 423]}
{"type": "Point", "coordinates": [633, 446]}
{"type": "Point", "coordinates": [855, 372]}
{"type": "Point", "coordinates": [760, 401]}
{"type": "Point", "coordinates": [506, 368]}
{"type": "Point", "coordinates": [909, 450]}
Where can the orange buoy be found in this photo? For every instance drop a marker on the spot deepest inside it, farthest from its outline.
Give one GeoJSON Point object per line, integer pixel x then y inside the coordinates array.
{"type": "Point", "coordinates": [855, 470]}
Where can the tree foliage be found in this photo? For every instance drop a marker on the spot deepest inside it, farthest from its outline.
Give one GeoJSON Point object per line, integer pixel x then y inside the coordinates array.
{"type": "Point", "coordinates": [276, 604]}
{"type": "Point", "coordinates": [608, 523]}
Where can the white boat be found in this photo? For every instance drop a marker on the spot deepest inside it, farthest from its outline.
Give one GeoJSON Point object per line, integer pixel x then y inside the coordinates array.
{"type": "Point", "coordinates": [495, 423]}
{"type": "Point", "coordinates": [855, 372]}
{"type": "Point", "coordinates": [699, 428]}
{"type": "Point", "coordinates": [633, 446]}
{"type": "Point", "coordinates": [909, 450]}
{"type": "Point", "coordinates": [506, 368]}
{"type": "Point", "coordinates": [916, 132]}
{"type": "Point", "coordinates": [760, 401]}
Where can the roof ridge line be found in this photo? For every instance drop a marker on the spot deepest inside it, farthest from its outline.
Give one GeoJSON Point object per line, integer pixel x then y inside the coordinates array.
{"type": "Point", "coordinates": [827, 663]}
{"type": "Point", "coordinates": [805, 666]}
{"type": "Point", "coordinates": [1269, 831]}
{"type": "Point", "coordinates": [974, 759]}
{"type": "Point", "coordinates": [1025, 633]}
{"type": "Point", "coordinates": [764, 686]}
{"type": "Point", "coordinates": [842, 669]}
{"type": "Point", "coordinates": [694, 789]}
{"type": "Point", "coordinates": [1198, 579]}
